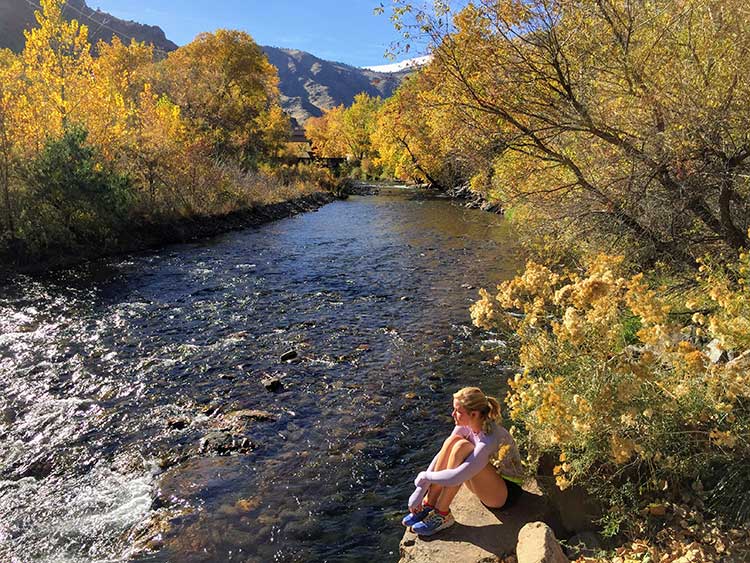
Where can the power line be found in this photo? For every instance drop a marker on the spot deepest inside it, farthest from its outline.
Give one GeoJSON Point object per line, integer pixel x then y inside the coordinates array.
{"type": "Point", "coordinates": [101, 24]}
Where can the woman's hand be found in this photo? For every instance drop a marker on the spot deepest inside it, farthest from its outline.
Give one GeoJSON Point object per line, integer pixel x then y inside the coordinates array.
{"type": "Point", "coordinates": [421, 480]}
{"type": "Point", "coordinates": [415, 501]}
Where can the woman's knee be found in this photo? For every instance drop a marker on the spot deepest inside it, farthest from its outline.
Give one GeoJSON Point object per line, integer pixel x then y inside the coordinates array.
{"type": "Point", "coordinates": [449, 442]}
{"type": "Point", "coordinates": [461, 449]}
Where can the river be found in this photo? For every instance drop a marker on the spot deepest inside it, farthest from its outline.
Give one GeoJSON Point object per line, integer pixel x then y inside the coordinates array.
{"type": "Point", "coordinates": [110, 368]}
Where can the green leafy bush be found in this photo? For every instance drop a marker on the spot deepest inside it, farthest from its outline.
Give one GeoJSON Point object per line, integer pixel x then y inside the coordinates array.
{"type": "Point", "coordinates": [74, 198]}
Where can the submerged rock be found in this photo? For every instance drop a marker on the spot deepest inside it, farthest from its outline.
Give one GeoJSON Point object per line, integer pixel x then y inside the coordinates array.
{"type": "Point", "coordinates": [38, 468]}
{"type": "Point", "coordinates": [272, 384]}
{"type": "Point", "coordinates": [178, 423]}
{"type": "Point", "coordinates": [241, 421]}
{"type": "Point", "coordinates": [289, 355]}
{"type": "Point", "coordinates": [150, 534]}
{"type": "Point", "coordinates": [224, 443]}
{"type": "Point", "coordinates": [252, 414]}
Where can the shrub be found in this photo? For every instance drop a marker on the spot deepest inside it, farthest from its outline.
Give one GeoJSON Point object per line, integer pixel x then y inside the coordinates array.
{"type": "Point", "coordinates": [273, 184]}
{"type": "Point", "coordinates": [623, 381]}
{"type": "Point", "coordinates": [74, 197]}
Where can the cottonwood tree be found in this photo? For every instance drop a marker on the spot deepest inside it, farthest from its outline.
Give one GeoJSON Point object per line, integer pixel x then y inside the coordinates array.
{"type": "Point", "coordinates": [9, 74]}
{"type": "Point", "coordinates": [57, 70]}
{"type": "Point", "coordinates": [326, 133]}
{"type": "Point", "coordinates": [627, 120]}
{"type": "Point", "coordinates": [226, 87]}
{"type": "Point", "coordinates": [359, 124]}
{"type": "Point", "coordinates": [346, 131]}
{"type": "Point", "coordinates": [120, 74]}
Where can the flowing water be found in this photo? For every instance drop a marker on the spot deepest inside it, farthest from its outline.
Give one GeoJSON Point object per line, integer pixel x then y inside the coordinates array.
{"type": "Point", "coordinates": [111, 368]}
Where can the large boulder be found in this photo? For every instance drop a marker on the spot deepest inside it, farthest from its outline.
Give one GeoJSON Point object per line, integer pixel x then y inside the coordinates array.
{"type": "Point", "coordinates": [537, 544]}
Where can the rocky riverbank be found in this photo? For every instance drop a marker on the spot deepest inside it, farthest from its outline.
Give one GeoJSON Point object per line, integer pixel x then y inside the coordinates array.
{"type": "Point", "coordinates": [515, 535]}
{"type": "Point", "coordinates": [473, 200]}
{"type": "Point", "coordinates": [153, 235]}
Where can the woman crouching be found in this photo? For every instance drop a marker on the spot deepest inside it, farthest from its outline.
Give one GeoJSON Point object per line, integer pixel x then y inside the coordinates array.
{"type": "Point", "coordinates": [465, 458]}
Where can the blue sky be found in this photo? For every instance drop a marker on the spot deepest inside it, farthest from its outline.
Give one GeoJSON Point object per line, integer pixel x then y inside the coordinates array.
{"type": "Point", "coordinates": [340, 30]}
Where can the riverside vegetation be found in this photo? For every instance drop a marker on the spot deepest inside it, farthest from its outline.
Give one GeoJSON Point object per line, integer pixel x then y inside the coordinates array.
{"type": "Point", "coordinates": [97, 139]}
{"type": "Point", "coordinates": [615, 134]}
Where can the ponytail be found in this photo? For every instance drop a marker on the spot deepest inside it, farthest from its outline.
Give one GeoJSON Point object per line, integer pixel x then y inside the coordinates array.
{"type": "Point", "coordinates": [493, 415]}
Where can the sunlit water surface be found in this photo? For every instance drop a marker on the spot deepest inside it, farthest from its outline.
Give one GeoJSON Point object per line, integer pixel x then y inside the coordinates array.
{"type": "Point", "coordinates": [373, 293]}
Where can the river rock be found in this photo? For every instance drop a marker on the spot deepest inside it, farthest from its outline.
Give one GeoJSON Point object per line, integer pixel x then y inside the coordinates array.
{"type": "Point", "coordinates": [272, 384]}
{"type": "Point", "coordinates": [252, 414]}
{"type": "Point", "coordinates": [211, 408]}
{"type": "Point", "coordinates": [177, 423]}
{"type": "Point", "coordinates": [537, 544]}
{"type": "Point", "coordinates": [38, 468]}
{"type": "Point", "coordinates": [239, 421]}
{"type": "Point", "coordinates": [289, 355]}
{"type": "Point", "coordinates": [224, 443]}
{"type": "Point", "coordinates": [172, 458]}
{"type": "Point", "coordinates": [149, 535]}
{"type": "Point", "coordinates": [715, 352]}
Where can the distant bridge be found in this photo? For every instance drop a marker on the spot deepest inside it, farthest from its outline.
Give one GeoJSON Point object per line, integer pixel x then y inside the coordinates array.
{"type": "Point", "coordinates": [302, 151]}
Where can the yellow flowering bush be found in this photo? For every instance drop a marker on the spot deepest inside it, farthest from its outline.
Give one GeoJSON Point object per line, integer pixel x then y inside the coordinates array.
{"type": "Point", "coordinates": [629, 383]}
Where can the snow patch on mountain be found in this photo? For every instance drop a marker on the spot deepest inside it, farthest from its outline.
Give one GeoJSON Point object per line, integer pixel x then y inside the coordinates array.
{"type": "Point", "coordinates": [403, 65]}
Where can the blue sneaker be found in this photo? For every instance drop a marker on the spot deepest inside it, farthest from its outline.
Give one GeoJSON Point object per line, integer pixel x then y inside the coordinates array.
{"type": "Point", "coordinates": [412, 518]}
{"type": "Point", "coordinates": [433, 523]}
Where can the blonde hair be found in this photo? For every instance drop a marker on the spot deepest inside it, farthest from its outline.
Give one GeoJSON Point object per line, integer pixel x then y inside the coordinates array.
{"type": "Point", "coordinates": [473, 399]}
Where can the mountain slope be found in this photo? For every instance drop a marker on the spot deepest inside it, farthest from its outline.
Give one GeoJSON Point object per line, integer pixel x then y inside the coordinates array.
{"type": "Point", "coordinates": [17, 15]}
{"type": "Point", "coordinates": [310, 85]}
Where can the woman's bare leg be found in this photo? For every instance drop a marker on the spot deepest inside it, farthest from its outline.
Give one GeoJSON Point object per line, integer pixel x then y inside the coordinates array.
{"type": "Point", "coordinates": [460, 451]}
{"type": "Point", "coordinates": [489, 487]}
{"type": "Point", "coordinates": [433, 494]}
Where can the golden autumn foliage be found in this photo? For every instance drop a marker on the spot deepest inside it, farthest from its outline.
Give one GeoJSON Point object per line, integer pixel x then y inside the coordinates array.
{"type": "Point", "coordinates": [177, 137]}
{"type": "Point", "coordinates": [57, 71]}
{"type": "Point", "coordinates": [626, 382]}
{"type": "Point", "coordinates": [326, 133]}
{"type": "Point", "coordinates": [229, 91]}
{"type": "Point", "coordinates": [615, 134]}
{"type": "Point", "coordinates": [345, 131]}
{"type": "Point", "coordinates": [607, 123]}
{"type": "Point", "coordinates": [404, 138]}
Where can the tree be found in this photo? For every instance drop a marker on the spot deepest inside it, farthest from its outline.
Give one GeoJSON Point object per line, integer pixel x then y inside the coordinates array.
{"type": "Point", "coordinates": [76, 198]}
{"type": "Point", "coordinates": [343, 131]}
{"type": "Point", "coordinates": [326, 133]}
{"type": "Point", "coordinates": [359, 124]}
{"type": "Point", "coordinates": [120, 74]}
{"type": "Point", "coordinates": [57, 72]}
{"type": "Point", "coordinates": [226, 87]}
{"type": "Point", "coordinates": [595, 131]}
{"type": "Point", "coordinates": [9, 76]}
{"type": "Point", "coordinates": [157, 138]}
{"type": "Point", "coordinates": [419, 137]}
